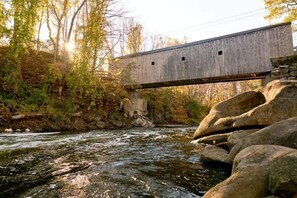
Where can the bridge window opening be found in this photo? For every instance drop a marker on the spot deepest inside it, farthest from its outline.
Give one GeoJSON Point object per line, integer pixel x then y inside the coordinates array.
{"type": "Point", "coordinates": [183, 58]}
{"type": "Point", "coordinates": [220, 52]}
{"type": "Point", "coordinates": [153, 62]}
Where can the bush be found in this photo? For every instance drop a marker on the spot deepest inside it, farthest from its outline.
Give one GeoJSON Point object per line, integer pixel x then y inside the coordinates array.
{"type": "Point", "coordinates": [170, 106]}
{"type": "Point", "coordinates": [196, 111]}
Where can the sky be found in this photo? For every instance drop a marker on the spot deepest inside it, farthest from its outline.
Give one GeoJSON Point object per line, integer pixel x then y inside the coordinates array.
{"type": "Point", "coordinates": [183, 18]}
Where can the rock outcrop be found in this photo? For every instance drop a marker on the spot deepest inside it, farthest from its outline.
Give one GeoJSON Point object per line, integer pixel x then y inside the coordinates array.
{"type": "Point", "coordinates": [283, 175]}
{"type": "Point", "coordinates": [282, 133]}
{"type": "Point", "coordinates": [236, 106]}
{"type": "Point", "coordinates": [256, 173]}
{"type": "Point", "coordinates": [251, 110]}
{"type": "Point", "coordinates": [257, 133]}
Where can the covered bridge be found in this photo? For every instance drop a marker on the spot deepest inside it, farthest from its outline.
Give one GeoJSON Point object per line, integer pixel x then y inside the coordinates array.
{"type": "Point", "coordinates": [240, 56]}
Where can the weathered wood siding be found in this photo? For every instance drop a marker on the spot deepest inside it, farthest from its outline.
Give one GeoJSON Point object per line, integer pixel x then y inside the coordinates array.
{"type": "Point", "coordinates": [243, 55]}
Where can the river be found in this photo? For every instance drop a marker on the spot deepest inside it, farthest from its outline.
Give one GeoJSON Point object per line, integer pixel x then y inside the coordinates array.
{"type": "Point", "coordinates": [159, 162]}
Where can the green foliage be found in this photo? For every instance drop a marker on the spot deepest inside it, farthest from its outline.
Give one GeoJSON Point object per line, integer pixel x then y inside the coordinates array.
{"type": "Point", "coordinates": [94, 36]}
{"type": "Point", "coordinates": [10, 105]}
{"type": "Point", "coordinates": [92, 93]}
{"type": "Point", "coordinates": [134, 37]}
{"type": "Point", "coordinates": [167, 105]}
{"type": "Point", "coordinates": [281, 10]}
{"type": "Point", "coordinates": [32, 95]}
{"type": "Point", "coordinates": [35, 81]}
{"type": "Point", "coordinates": [23, 16]}
{"type": "Point", "coordinates": [55, 115]}
{"type": "Point", "coordinates": [195, 110]}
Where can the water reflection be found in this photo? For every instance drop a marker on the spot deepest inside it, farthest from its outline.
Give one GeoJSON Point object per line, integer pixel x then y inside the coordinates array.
{"type": "Point", "coordinates": [121, 163]}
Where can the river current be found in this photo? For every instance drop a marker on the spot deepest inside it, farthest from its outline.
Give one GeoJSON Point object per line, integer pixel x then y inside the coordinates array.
{"type": "Point", "coordinates": [159, 162]}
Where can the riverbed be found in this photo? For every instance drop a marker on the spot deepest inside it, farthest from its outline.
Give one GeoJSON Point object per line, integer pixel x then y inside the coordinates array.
{"type": "Point", "coordinates": [159, 162]}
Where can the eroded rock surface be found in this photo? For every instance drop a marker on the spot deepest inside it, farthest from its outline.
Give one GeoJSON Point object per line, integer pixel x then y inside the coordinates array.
{"type": "Point", "coordinates": [282, 133]}
{"type": "Point", "coordinates": [229, 108]}
{"type": "Point", "coordinates": [252, 109]}
{"type": "Point", "coordinates": [251, 169]}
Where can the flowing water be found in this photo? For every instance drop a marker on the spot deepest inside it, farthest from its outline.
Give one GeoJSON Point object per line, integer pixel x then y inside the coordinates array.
{"type": "Point", "coordinates": [158, 162]}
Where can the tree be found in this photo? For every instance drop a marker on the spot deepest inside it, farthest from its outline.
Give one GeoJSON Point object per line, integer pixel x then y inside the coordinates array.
{"type": "Point", "coordinates": [134, 37]}
{"type": "Point", "coordinates": [57, 14]}
{"type": "Point", "coordinates": [284, 10]}
{"type": "Point", "coordinates": [23, 14]}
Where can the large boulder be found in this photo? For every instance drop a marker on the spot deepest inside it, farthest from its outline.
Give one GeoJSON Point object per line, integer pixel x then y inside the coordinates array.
{"type": "Point", "coordinates": [233, 107]}
{"type": "Point", "coordinates": [252, 109]}
{"type": "Point", "coordinates": [250, 173]}
{"type": "Point", "coordinates": [237, 136]}
{"type": "Point", "coordinates": [282, 133]}
{"type": "Point", "coordinates": [281, 96]}
{"type": "Point", "coordinates": [283, 176]}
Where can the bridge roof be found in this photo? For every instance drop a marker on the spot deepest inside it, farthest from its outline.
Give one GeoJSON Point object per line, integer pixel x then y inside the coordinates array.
{"type": "Point", "coordinates": [204, 41]}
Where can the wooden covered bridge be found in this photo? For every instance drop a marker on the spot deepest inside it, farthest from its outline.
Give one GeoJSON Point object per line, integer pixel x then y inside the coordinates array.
{"type": "Point", "coordinates": [240, 56]}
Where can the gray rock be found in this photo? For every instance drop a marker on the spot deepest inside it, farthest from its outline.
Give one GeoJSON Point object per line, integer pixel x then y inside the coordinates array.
{"type": "Point", "coordinates": [293, 73]}
{"type": "Point", "coordinates": [282, 133]}
{"type": "Point", "coordinates": [214, 139]}
{"type": "Point", "coordinates": [100, 124]}
{"type": "Point", "coordinates": [281, 104]}
{"type": "Point", "coordinates": [281, 96]}
{"type": "Point", "coordinates": [78, 114]}
{"type": "Point", "coordinates": [8, 130]}
{"type": "Point", "coordinates": [250, 172]}
{"type": "Point", "coordinates": [18, 117]}
{"type": "Point", "coordinates": [142, 121]}
{"type": "Point", "coordinates": [224, 145]}
{"type": "Point", "coordinates": [275, 72]}
{"type": "Point", "coordinates": [229, 108]}
{"type": "Point", "coordinates": [116, 123]}
{"type": "Point", "coordinates": [237, 136]}
{"type": "Point", "coordinates": [283, 175]}
{"type": "Point", "coordinates": [213, 153]}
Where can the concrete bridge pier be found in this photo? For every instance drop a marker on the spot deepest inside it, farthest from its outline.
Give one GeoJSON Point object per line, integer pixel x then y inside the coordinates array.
{"type": "Point", "coordinates": [136, 106]}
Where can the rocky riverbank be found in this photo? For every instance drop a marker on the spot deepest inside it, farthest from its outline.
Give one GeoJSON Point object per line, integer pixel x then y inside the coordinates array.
{"type": "Point", "coordinates": [38, 122]}
{"type": "Point", "coordinates": [256, 133]}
